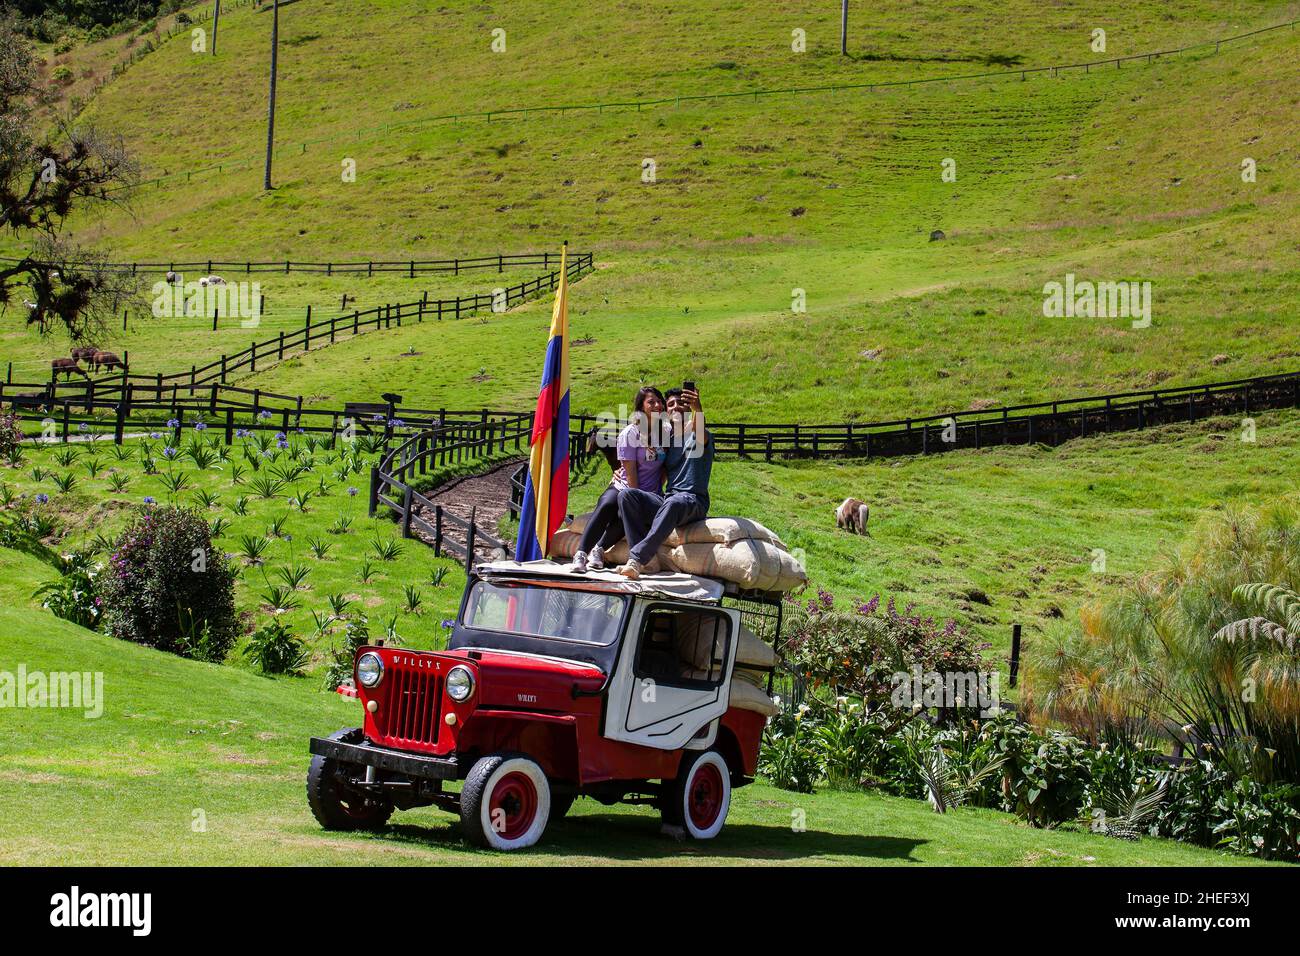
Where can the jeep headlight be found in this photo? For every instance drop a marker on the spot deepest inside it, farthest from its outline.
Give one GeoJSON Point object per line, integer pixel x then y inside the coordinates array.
{"type": "Point", "coordinates": [460, 683]}
{"type": "Point", "coordinates": [370, 669]}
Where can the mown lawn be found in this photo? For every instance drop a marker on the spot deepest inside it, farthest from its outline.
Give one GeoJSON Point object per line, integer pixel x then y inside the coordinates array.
{"type": "Point", "coordinates": [196, 764]}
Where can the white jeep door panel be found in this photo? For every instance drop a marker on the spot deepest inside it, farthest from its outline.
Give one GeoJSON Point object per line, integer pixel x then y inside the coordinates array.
{"type": "Point", "coordinates": [673, 674]}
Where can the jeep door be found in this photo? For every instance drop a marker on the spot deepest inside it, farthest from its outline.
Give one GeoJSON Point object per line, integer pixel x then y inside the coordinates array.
{"type": "Point", "coordinates": [673, 673]}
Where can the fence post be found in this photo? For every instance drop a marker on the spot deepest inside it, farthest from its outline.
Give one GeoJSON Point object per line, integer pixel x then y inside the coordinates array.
{"type": "Point", "coordinates": [230, 425]}
{"type": "Point", "coordinates": [374, 490]}
{"type": "Point", "coordinates": [1015, 653]}
{"type": "Point", "coordinates": [437, 531]}
{"type": "Point", "coordinates": [469, 540]}
{"type": "Point", "coordinates": [119, 427]}
{"type": "Point", "coordinates": [407, 505]}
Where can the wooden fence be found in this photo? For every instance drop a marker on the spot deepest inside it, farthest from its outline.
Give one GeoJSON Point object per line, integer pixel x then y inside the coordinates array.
{"type": "Point", "coordinates": [113, 387]}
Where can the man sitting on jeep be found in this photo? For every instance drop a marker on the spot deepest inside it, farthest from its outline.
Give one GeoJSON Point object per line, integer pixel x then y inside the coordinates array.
{"type": "Point", "coordinates": [649, 519]}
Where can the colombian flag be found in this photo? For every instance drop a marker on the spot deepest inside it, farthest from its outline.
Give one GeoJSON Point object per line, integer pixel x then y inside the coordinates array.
{"type": "Point", "coordinates": [546, 497]}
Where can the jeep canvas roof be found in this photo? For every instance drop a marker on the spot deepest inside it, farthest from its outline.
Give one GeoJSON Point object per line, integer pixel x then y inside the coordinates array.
{"type": "Point", "coordinates": [674, 585]}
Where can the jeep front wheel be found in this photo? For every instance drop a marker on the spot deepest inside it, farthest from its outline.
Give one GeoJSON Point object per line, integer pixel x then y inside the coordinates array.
{"type": "Point", "coordinates": [505, 803]}
{"type": "Point", "coordinates": [336, 807]}
{"type": "Point", "coordinates": [698, 800]}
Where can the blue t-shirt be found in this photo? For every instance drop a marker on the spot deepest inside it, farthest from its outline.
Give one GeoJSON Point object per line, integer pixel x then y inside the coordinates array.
{"type": "Point", "coordinates": [687, 468]}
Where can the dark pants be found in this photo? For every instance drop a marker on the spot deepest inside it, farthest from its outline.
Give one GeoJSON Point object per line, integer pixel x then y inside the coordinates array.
{"type": "Point", "coordinates": [604, 528]}
{"type": "Point", "coordinates": [648, 519]}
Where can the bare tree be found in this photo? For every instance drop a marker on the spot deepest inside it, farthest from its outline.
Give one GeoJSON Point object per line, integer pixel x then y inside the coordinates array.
{"type": "Point", "coordinates": [44, 178]}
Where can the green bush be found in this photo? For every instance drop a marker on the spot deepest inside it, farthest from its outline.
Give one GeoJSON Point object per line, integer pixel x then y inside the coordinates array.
{"type": "Point", "coordinates": [276, 649]}
{"type": "Point", "coordinates": [11, 437]}
{"type": "Point", "coordinates": [167, 587]}
{"type": "Point", "coordinates": [74, 595]}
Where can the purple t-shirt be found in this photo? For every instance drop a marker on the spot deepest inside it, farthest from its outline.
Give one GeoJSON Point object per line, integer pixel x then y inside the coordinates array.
{"type": "Point", "coordinates": [650, 466]}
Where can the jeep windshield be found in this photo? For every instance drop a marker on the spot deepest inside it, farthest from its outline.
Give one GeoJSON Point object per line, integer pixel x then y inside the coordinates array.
{"type": "Point", "coordinates": [564, 616]}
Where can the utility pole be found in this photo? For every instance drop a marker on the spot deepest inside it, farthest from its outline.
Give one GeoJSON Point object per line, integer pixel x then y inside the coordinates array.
{"type": "Point", "coordinates": [270, 114]}
{"type": "Point", "coordinates": [216, 18]}
{"type": "Point", "coordinates": [844, 27]}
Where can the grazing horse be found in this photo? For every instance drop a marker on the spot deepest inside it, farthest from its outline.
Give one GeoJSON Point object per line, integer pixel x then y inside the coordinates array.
{"type": "Point", "coordinates": [65, 366]}
{"type": "Point", "coordinates": [106, 360]}
{"type": "Point", "coordinates": [84, 353]}
{"type": "Point", "coordinates": [852, 515]}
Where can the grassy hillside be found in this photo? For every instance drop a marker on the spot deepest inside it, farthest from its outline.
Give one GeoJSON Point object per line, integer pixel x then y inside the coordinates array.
{"type": "Point", "coordinates": [198, 764]}
{"type": "Point", "coordinates": [1131, 173]}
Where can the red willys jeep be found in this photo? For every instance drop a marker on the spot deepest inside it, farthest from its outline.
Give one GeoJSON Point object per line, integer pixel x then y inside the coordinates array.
{"type": "Point", "coordinates": [558, 685]}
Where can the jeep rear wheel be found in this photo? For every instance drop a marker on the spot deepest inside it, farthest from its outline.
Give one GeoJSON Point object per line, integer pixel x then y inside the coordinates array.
{"type": "Point", "coordinates": [336, 807]}
{"type": "Point", "coordinates": [698, 800]}
{"type": "Point", "coordinates": [505, 803]}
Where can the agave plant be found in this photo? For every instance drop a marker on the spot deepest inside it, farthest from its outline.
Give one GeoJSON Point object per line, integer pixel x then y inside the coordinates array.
{"type": "Point", "coordinates": [320, 549]}
{"type": "Point", "coordinates": [279, 599]}
{"type": "Point", "coordinates": [338, 603]}
{"type": "Point", "coordinates": [174, 481]}
{"type": "Point", "coordinates": [93, 467]}
{"type": "Point", "coordinates": [252, 547]}
{"type": "Point", "coordinates": [292, 575]}
{"type": "Point", "coordinates": [66, 456]}
{"type": "Point", "coordinates": [117, 481]}
{"type": "Point", "coordinates": [206, 498]}
{"type": "Point", "coordinates": [342, 524]}
{"type": "Point", "coordinates": [414, 599]}
{"type": "Point", "coordinates": [264, 486]}
{"type": "Point", "coordinates": [65, 483]}
{"type": "Point", "coordinates": [120, 453]}
{"type": "Point", "coordinates": [218, 526]}
{"type": "Point", "coordinates": [236, 473]}
{"type": "Point", "coordinates": [240, 507]}
{"type": "Point", "coordinates": [276, 528]}
{"type": "Point", "coordinates": [386, 550]}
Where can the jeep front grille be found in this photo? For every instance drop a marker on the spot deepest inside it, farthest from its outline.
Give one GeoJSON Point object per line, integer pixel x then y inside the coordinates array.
{"type": "Point", "coordinates": [414, 711]}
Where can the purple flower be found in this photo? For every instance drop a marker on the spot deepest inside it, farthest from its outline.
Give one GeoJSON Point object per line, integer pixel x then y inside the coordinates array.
{"type": "Point", "coordinates": [149, 499]}
{"type": "Point", "coordinates": [83, 427]}
{"type": "Point", "coordinates": [282, 443]}
{"type": "Point", "coordinates": [42, 498]}
{"type": "Point", "coordinates": [352, 492]}
{"type": "Point", "coordinates": [199, 426]}
{"type": "Point", "coordinates": [155, 435]}
{"type": "Point", "coordinates": [448, 623]}
{"type": "Point", "coordinates": [169, 452]}
{"type": "Point", "coordinates": [264, 414]}
{"type": "Point", "coordinates": [173, 423]}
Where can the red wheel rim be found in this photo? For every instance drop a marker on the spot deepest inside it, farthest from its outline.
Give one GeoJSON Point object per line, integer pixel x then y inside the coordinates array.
{"type": "Point", "coordinates": [513, 806]}
{"type": "Point", "coordinates": [704, 799]}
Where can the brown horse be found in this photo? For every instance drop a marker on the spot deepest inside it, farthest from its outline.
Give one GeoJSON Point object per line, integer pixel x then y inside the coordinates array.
{"type": "Point", "coordinates": [84, 353]}
{"type": "Point", "coordinates": [106, 360]}
{"type": "Point", "coordinates": [65, 366]}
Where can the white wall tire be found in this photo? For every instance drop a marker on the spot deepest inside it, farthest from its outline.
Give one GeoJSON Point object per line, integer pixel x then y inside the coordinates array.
{"type": "Point", "coordinates": [506, 802]}
{"type": "Point", "coordinates": [701, 796]}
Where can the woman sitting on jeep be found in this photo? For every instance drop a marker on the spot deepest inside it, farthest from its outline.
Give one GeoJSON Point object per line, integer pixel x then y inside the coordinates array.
{"type": "Point", "coordinates": [640, 465]}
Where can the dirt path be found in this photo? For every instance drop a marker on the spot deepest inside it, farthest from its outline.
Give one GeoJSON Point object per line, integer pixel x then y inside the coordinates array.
{"type": "Point", "coordinates": [487, 495]}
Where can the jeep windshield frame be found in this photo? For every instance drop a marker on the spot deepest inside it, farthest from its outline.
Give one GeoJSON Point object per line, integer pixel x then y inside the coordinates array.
{"type": "Point", "coordinates": [586, 626]}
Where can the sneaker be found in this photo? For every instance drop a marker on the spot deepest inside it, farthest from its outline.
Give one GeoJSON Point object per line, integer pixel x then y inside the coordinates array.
{"type": "Point", "coordinates": [596, 560]}
{"type": "Point", "coordinates": [579, 564]}
{"type": "Point", "coordinates": [633, 569]}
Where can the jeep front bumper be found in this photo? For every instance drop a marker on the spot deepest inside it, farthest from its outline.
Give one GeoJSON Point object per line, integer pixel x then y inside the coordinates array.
{"type": "Point", "coordinates": [381, 758]}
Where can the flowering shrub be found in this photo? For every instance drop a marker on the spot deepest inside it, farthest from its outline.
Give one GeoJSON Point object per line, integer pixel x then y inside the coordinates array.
{"type": "Point", "coordinates": [167, 587]}
{"type": "Point", "coordinates": [859, 652]}
{"type": "Point", "coordinates": [11, 437]}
